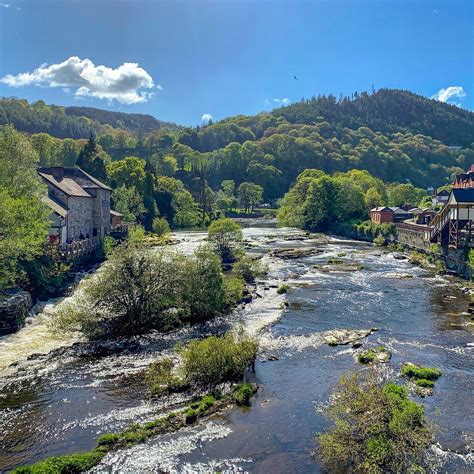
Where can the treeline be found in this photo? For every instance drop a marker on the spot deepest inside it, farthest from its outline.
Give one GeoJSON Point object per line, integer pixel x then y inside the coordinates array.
{"type": "Point", "coordinates": [387, 111]}
{"type": "Point", "coordinates": [74, 122]}
{"type": "Point", "coordinates": [319, 202]}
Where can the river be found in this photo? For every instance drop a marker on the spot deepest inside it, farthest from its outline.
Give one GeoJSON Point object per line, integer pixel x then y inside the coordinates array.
{"type": "Point", "coordinates": [57, 402]}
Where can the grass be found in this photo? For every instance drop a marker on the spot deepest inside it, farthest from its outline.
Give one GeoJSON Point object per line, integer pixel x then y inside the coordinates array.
{"type": "Point", "coordinates": [282, 289]}
{"type": "Point", "coordinates": [136, 433]}
{"type": "Point", "coordinates": [418, 373]}
{"type": "Point", "coordinates": [334, 261]}
{"type": "Point", "coordinates": [369, 356]}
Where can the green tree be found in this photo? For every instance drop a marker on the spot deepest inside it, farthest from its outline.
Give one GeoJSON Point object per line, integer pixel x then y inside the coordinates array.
{"type": "Point", "coordinates": [161, 226]}
{"type": "Point", "coordinates": [401, 194]}
{"type": "Point", "coordinates": [377, 428]}
{"type": "Point", "coordinates": [250, 195]}
{"type": "Point", "coordinates": [225, 236]}
{"type": "Point", "coordinates": [23, 217]}
{"type": "Point", "coordinates": [91, 161]}
{"type": "Point", "coordinates": [127, 172]}
{"type": "Point", "coordinates": [128, 202]}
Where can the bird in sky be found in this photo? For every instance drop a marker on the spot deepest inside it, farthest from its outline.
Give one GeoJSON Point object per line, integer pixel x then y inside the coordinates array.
{"type": "Point", "coordinates": [295, 77]}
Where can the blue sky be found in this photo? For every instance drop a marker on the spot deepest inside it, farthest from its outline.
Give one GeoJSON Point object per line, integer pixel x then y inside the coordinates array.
{"type": "Point", "coordinates": [179, 60]}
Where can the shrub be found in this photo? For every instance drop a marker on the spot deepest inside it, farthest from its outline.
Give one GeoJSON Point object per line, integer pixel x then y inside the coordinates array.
{"type": "Point", "coordinates": [136, 234]}
{"type": "Point", "coordinates": [379, 240]}
{"type": "Point", "coordinates": [234, 289]}
{"type": "Point", "coordinates": [334, 261]}
{"type": "Point", "coordinates": [225, 235]}
{"type": "Point", "coordinates": [425, 383]}
{"type": "Point", "coordinates": [191, 415]}
{"type": "Point", "coordinates": [282, 289]}
{"type": "Point", "coordinates": [248, 269]}
{"type": "Point", "coordinates": [366, 357]}
{"type": "Point", "coordinates": [107, 246]}
{"type": "Point", "coordinates": [242, 393]}
{"type": "Point", "coordinates": [161, 378]}
{"type": "Point", "coordinates": [108, 439]}
{"type": "Point", "coordinates": [416, 372]}
{"type": "Point", "coordinates": [214, 360]}
{"type": "Point", "coordinates": [376, 429]}
{"type": "Point", "coordinates": [160, 226]}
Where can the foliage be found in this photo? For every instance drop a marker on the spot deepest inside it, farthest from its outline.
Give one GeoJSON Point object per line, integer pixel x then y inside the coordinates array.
{"type": "Point", "coordinates": [376, 429]}
{"type": "Point", "coordinates": [127, 201]}
{"type": "Point", "coordinates": [160, 226]}
{"type": "Point", "coordinates": [379, 240]}
{"type": "Point", "coordinates": [282, 289]}
{"type": "Point", "coordinates": [242, 393]}
{"type": "Point", "coordinates": [369, 356]}
{"type": "Point", "coordinates": [249, 268]}
{"type": "Point", "coordinates": [161, 378]}
{"type": "Point", "coordinates": [405, 194]}
{"type": "Point", "coordinates": [416, 372]}
{"type": "Point", "coordinates": [137, 291]}
{"type": "Point", "coordinates": [129, 172]}
{"type": "Point", "coordinates": [225, 236]}
{"type": "Point", "coordinates": [92, 161]}
{"type": "Point", "coordinates": [250, 195]}
{"type": "Point", "coordinates": [234, 289]}
{"type": "Point", "coordinates": [23, 217]}
{"type": "Point", "coordinates": [213, 360]}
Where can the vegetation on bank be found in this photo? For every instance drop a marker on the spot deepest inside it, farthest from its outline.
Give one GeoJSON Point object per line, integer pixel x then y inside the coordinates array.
{"type": "Point", "coordinates": [422, 376]}
{"type": "Point", "coordinates": [377, 428]}
{"type": "Point", "coordinates": [139, 433]}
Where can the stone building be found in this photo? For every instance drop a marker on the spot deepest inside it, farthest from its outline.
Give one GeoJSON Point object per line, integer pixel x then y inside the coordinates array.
{"type": "Point", "coordinates": [79, 203]}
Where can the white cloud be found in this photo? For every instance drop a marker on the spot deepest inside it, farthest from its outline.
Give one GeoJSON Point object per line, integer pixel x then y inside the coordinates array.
{"type": "Point", "coordinates": [5, 5]}
{"type": "Point", "coordinates": [124, 84]}
{"type": "Point", "coordinates": [444, 95]}
{"type": "Point", "coordinates": [284, 101]}
{"type": "Point", "coordinates": [206, 118]}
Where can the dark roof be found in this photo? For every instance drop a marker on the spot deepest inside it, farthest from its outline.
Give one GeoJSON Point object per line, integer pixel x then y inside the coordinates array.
{"type": "Point", "coordinates": [57, 208]}
{"type": "Point", "coordinates": [463, 195]}
{"type": "Point", "coordinates": [73, 181]}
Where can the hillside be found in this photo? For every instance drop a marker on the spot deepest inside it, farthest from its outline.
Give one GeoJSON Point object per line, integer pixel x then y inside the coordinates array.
{"type": "Point", "coordinates": [73, 122]}
{"type": "Point", "coordinates": [139, 123]}
{"type": "Point", "coordinates": [388, 111]}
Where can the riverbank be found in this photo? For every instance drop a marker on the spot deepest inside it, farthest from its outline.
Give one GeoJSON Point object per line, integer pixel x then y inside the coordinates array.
{"type": "Point", "coordinates": [419, 319]}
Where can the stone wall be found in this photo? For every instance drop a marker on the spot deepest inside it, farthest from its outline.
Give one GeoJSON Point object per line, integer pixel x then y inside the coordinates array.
{"type": "Point", "coordinates": [80, 217]}
{"type": "Point", "coordinates": [13, 311]}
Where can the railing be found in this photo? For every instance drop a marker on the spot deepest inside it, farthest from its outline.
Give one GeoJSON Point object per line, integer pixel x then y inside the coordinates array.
{"type": "Point", "coordinates": [79, 248]}
{"type": "Point", "coordinates": [123, 228]}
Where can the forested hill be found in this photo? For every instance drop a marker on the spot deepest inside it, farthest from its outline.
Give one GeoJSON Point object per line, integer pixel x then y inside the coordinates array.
{"type": "Point", "coordinates": [74, 122]}
{"type": "Point", "coordinates": [140, 123]}
{"type": "Point", "coordinates": [387, 111]}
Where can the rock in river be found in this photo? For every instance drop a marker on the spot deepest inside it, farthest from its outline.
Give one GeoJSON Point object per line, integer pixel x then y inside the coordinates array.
{"type": "Point", "coordinates": [338, 337]}
{"type": "Point", "coordinates": [292, 253]}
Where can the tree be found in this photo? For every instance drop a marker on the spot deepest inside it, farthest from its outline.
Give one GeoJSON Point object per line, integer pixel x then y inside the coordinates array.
{"type": "Point", "coordinates": [225, 236]}
{"type": "Point", "coordinates": [402, 194]}
{"type": "Point", "coordinates": [91, 161]}
{"type": "Point", "coordinates": [23, 217]}
{"type": "Point", "coordinates": [128, 202]}
{"type": "Point", "coordinates": [160, 226]}
{"type": "Point", "coordinates": [127, 172]}
{"type": "Point", "coordinates": [250, 194]}
{"type": "Point", "coordinates": [377, 428]}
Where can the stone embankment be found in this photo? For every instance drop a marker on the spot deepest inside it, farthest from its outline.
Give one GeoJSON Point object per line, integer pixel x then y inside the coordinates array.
{"type": "Point", "coordinates": [14, 309]}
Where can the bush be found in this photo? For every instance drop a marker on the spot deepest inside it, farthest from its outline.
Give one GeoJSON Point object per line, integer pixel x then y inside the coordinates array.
{"type": "Point", "coordinates": [369, 356]}
{"type": "Point", "coordinates": [136, 234]}
{"type": "Point", "coordinates": [191, 415]}
{"type": "Point", "coordinates": [160, 226]}
{"type": "Point", "coordinates": [376, 429]}
{"type": "Point", "coordinates": [282, 289]}
{"type": "Point", "coordinates": [242, 393]}
{"type": "Point", "coordinates": [161, 378]}
{"type": "Point", "coordinates": [416, 372]}
{"type": "Point", "coordinates": [248, 269]}
{"type": "Point", "coordinates": [234, 289]}
{"type": "Point", "coordinates": [214, 360]}
{"type": "Point", "coordinates": [380, 241]}
{"type": "Point", "coordinates": [137, 291]}
{"type": "Point", "coordinates": [225, 236]}
{"type": "Point", "coordinates": [108, 439]}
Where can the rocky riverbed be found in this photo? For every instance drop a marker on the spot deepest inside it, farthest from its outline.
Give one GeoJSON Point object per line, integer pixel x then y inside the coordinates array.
{"type": "Point", "coordinates": [60, 394]}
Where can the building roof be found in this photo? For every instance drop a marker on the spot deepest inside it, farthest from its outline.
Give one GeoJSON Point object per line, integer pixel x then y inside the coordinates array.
{"type": "Point", "coordinates": [71, 181]}
{"type": "Point", "coordinates": [381, 209]}
{"type": "Point", "coordinates": [115, 213]}
{"type": "Point", "coordinates": [462, 195]}
{"type": "Point", "coordinates": [55, 206]}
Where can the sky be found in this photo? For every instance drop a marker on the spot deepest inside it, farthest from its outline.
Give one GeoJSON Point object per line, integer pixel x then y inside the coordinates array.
{"type": "Point", "coordinates": [187, 61]}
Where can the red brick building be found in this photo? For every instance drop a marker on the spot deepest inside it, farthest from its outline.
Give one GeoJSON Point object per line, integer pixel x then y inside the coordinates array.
{"type": "Point", "coordinates": [379, 215]}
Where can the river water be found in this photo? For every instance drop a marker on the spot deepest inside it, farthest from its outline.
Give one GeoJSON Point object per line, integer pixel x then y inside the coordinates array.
{"type": "Point", "coordinates": [56, 403]}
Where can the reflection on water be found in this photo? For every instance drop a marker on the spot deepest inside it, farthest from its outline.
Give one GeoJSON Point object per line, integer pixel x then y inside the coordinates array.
{"type": "Point", "coordinates": [61, 403]}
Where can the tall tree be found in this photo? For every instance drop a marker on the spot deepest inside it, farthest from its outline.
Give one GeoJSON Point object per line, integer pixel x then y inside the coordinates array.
{"type": "Point", "coordinates": [90, 160]}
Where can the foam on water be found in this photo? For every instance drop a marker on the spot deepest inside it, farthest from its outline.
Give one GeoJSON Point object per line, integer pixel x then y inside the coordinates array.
{"type": "Point", "coordinates": [158, 456]}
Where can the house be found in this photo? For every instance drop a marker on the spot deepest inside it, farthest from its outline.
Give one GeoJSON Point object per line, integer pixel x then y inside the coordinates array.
{"type": "Point", "coordinates": [400, 214]}
{"type": "Point", "coordinates": [464, 180]}
{"type": "Point", "coordinates": [79, 203]}
{"type": "Point", "coordinates": [440, 198]}
{"type": "Point", "coordinates": [380, 215]}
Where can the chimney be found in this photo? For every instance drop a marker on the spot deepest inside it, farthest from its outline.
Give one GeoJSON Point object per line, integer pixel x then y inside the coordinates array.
{"type": "Point", "coordinates": [57, 172]}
